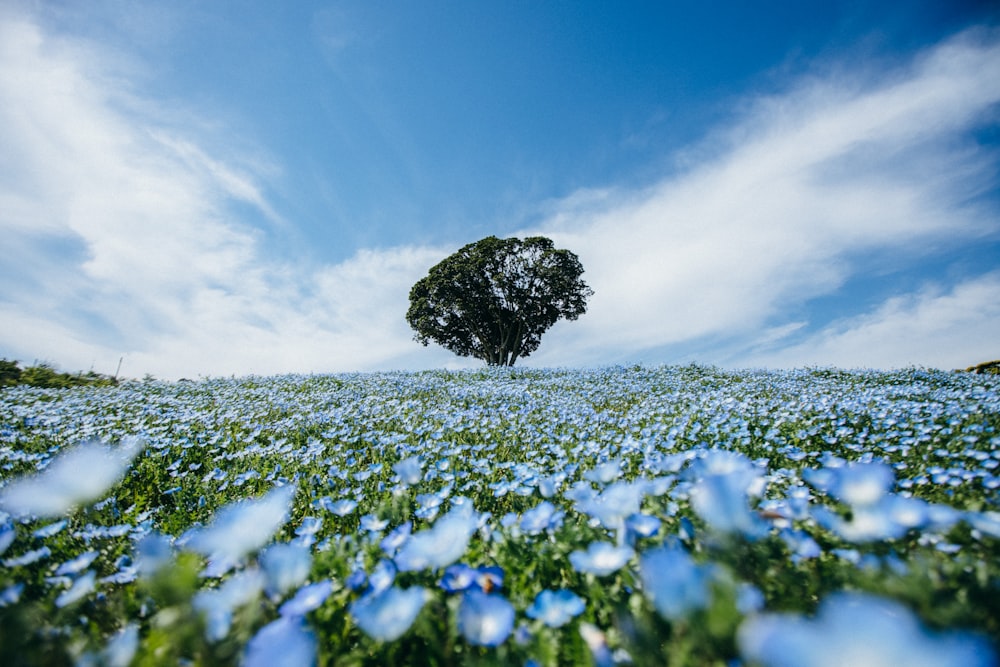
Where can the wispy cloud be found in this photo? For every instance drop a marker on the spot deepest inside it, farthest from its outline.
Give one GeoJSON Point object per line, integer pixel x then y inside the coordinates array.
{"type": "Point", "coordinates": [124, 235]}
{"type": "Point", "coordinates": [837, 175]}
{"type": "Point", "coordinates": [938, 327]}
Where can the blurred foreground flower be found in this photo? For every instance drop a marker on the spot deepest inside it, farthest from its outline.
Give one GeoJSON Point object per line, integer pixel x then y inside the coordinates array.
{"type": "Point", "coordinates": [77, 476]}
{"type": "Point", "coordinates": [601, 558]}
{"type": "Point", "coordinates": [674, 583]}
{"type": "Point", "coordinates": [243, 526]}
{"type": "Point", "coordinates": [485, 619]}
{"type": "Point", "coordinates": [556, 608]}
{"type": "Point", "coordinates": [441, 545]}
{"type": "Point", "coordinates": [388, 614]}
{"type": "Point", "coordinates": [857, 629]}
{"type": "Point", "coordinates": [286, 642]}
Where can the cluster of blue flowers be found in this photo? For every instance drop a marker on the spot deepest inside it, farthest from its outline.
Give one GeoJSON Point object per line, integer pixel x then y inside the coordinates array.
{"type": "Point", "coordinates": [540, 515]}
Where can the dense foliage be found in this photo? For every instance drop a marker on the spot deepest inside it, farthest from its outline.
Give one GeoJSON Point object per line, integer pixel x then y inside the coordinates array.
{"type": "Point", "coordinates": [682, 516]}
{"type": "Point", "coordinates": [493, 299]}
{"type": "Point", "coordinates": [46, 376]}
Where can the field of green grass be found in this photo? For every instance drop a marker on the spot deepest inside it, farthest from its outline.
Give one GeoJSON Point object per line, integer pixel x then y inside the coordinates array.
{"type": "Point", "coordinates": [646, 516]}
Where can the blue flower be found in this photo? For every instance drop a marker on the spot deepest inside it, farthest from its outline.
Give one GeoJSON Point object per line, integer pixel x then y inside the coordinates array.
{"type": "Point", "coordinates": [857, 629]}
{"type": "Point", "coordinates": [388, 614]}
{"type": "Point", "coordinates": [556, 608]}
{"type": "Point", "coordinates": [601, 558]}
{"type": "Point", "coordinates": [674, 583]}
{"type": "Point", "coordinates": [343, 507]}
{"type": "Point", "coordinates": [307, 599]}
{"type": "Point", "coordinates": [720, 494]}
{"type": "Point", "coordinates": [461, 577]}
{"type": "Point", "coordinates": [76, 476]}
{"type": "Point", "coordinates": [485, 619]}
{"type": "Point", "coordinates": [542, 517]}
{"type": "Point", "coordinates": [390, 543]}
{"type": "Point", "coordinates": [286, 566]}
{"type": "Point", "coordinates": [82, 587]}
{"type": "Point", "coordinates": [441, 545]}
{"type": "Point", "coordinates": [244, 526]}
{"type": "Point", "coordinates": [409, 471]}
{"type": "Point", "coordinates": [78, 564]}
{"type": "Point", "coordinates": [373, 524]}
{"type": "Point", "coordinates": [218, 604]}
{"type": "Point", "coordinates": [286, 642]}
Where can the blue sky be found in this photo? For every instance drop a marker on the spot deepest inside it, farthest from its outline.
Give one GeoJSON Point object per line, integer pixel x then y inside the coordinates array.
{"type": "Point", "coordinates": [231, 188]}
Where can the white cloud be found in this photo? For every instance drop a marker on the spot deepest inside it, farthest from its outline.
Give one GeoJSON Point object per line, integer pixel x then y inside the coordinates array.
{"type": "Point", "coordinates": [936, 328]}
{"type": "Point", "coordinates": [125, 235]}
{"type": "Point", "coordinates": [782, 208]}
{"type": "Point", "coordinates": [122, 237]}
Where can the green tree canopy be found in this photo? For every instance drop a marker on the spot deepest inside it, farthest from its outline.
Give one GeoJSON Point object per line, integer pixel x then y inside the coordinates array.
{"type": "Point", "coordinates": [494, 298]}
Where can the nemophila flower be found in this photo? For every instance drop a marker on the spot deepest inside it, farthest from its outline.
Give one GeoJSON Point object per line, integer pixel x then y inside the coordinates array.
{"type": "Point", "coordinates": [152, 552]}
{"type": "Point", "coordinates": [441, 545]}
{"type": "Point", "coordinates": [462, 577]}
{"type": "Point", "coordinates": [382, 577]}
{"type": "Point", "coordinates": [720, 495]}
{"type": "Point", "coordinates": [801, 544]}
{"type": "Point", "coordinates": [78, 564]}
{"type": "Point", "coordinates": [859, 484]}
{"type": "Point", "coordinates": [749, 599]}
{"type": "Point", "coordinates": [542, 517]}
{"type": "Point", "coordinates": [286, 566]}
{"type": "Point", "coordinates": [641, 525]}
{"type": "Point", "coordinates": [857, 629]}
{"type": "Point", "coordinates": [372, 524]}
{"type": "Point", "coordinates": [676, 585]}
{"type": "Point", "coordinates": [307, 599]}
{"type": "Point", "coordinates": [83, 586]}
{"type": "Point", "coordinates": [76, 476]}
{"type": "Point", "coordinates": [601, 558]}
{"type": "Point", "coordinates": [485, 619]}
{"type": "Point", "coordinates": [343, 507]}
{"type": "Point", "coordinates": [7, 535]}
{"type": "Point", "coordinates": [243, 526]}
{"type": "Point", "coordinates": [286, 642]}
{"type": "Point", "coordinates": [604, 473]}
{"type": "Point", "coordinates": [50, 530]}
{"type": "Point", "coordinates": [396, 538]}
{"type": "Point", "coordinates": [310, 526]}
{"type": "Point", "coordinates": [28, 557]}
{"type": "Point", "coordinates": [613, 504]}
{"type": "Point", "coordinates": [985, 522]}
{"type": "Point", "coordinates": [218, 604]}
{"type": "Point", "coordinates": [388, 614]}
{"type": "Point", "coordinates": [556, 608]}
{"type": "Point", "coordinates": [121, 649]}
{"type": "Point", "coordinates": [11, 594]}
{"type": "Point", "coordinates": [409, 471]}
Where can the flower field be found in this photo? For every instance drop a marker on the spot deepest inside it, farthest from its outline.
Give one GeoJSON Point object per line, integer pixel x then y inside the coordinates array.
{"type": "Point", "coordinates": [646, 516]}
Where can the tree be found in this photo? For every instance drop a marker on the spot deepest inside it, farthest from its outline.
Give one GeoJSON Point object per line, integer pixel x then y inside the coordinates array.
{"type": "Point", "coordinates": [494, 298]}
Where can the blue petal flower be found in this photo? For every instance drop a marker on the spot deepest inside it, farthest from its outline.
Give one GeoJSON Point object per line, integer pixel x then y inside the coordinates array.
{"type": "Point", "coordinates": [674, 583]}
{"type": "Point", "coordinates": [440, 545]}
{"type": "Point", "coordinates": [286, 642]}
{"type": "Point", "coordinates": [485, 619]}
{"type": "Point", "coordinates": [307, 599]}
{"type": "Point", "coordinates": [556, 608]}
{"type": "Point", "coordinates": [390, 613]}
{"type": "Point", "coordinates": [601, 558]}
{"type": "Point", "coordinates": [857, 629]}
{"type": "Point", "coordinates": [76, 476]}
{"type": "Point", "coordinates": [83, 586]}
{"type": "Point", "coordinates": [286, 566]}
{"type": "Point", "coordinates": [244, 526]}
